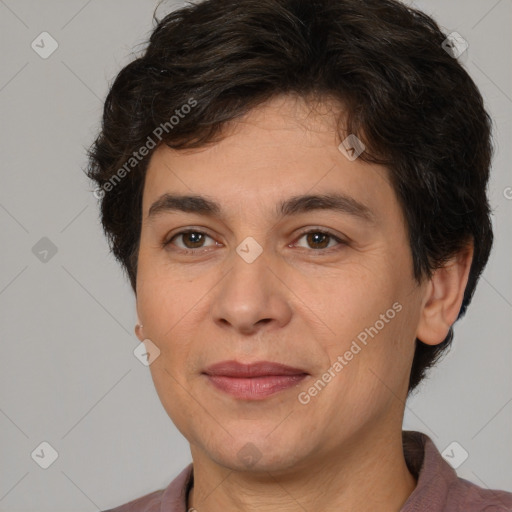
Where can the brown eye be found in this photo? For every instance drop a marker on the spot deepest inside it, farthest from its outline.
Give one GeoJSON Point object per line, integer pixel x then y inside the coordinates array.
{"type": "Point", "coordinates": [189, 240]}
{"type": "Point", "coordinates": [193, 239]}
{"type": "Point", "coordinates": [318, 240]}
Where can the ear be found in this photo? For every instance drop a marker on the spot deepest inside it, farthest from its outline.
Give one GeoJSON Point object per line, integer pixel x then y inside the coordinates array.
{"type": "Point", "coordinates": [443, 297]}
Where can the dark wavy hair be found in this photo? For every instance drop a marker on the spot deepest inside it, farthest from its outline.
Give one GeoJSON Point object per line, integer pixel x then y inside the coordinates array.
{"type": "Point", "coordinates": [413, 105]}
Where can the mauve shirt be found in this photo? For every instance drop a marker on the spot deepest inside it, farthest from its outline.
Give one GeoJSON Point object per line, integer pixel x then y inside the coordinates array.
{"type": "Point", "coordinates": [438, 488]}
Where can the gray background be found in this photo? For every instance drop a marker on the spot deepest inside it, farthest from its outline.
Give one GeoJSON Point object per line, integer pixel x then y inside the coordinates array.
{"type": "Point", "coordinates": [68, 375]}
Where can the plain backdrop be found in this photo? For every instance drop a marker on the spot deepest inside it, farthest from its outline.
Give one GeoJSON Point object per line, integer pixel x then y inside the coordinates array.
{"type": "Point", "coordinates": [68, 375]}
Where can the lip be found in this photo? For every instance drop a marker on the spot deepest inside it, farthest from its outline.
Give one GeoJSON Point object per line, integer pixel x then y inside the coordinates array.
{"type": "Point", "coordinates": [257, 369]}
{"type": "Point", "coordinates": [254, 381]}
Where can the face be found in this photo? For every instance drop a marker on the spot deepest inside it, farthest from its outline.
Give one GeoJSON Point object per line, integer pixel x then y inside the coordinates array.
{"type": "Point", "coordinates": [251, 273]}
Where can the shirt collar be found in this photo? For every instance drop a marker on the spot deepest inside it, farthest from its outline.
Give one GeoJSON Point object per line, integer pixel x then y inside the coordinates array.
{"type": "Point", "coordinates": [433, 474]}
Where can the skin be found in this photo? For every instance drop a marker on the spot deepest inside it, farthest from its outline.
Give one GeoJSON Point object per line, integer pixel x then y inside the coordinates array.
{"type": "Point", "coordinates": [298, 303]}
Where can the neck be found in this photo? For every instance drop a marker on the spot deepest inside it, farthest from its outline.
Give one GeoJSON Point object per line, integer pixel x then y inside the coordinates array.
{"type": "Point", "coordinates": [372, 476]}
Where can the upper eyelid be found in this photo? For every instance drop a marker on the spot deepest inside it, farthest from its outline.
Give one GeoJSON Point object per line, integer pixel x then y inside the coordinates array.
{"type": "Point", "coordinates": [169, 239]}
{"type": "Point", "coordinates": [325, 231]}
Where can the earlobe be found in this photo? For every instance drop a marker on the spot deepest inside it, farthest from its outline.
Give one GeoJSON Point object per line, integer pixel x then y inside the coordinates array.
{"type": "Point", "coordinates": [443, 297]}
{"type": "Point", "coordinates": [138, 331]}
{"type": "Point", "coordinates": [138, 326]}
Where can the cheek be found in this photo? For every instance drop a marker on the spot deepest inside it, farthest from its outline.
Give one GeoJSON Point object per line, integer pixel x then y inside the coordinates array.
{"type": "Point", "coordinates": [353, 300]}
{"type": "Point", "coordinates": [171, 393]}
{"type": "Point", "coordinates": [162, 303]}
{"type": "Point", "coordinates": [372, 319]}
{"type": "Point", "coordinates": [387, 355]}
{"type": "Point", "coordinates": [374, 375]}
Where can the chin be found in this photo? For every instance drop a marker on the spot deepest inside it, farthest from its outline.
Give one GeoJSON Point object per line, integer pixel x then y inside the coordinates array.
{"type": "Point", "coordinates": [259, 454]}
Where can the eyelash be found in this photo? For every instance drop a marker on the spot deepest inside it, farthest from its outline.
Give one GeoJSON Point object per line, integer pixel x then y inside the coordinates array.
{"type": "Point", "coordinates": [304, 233]}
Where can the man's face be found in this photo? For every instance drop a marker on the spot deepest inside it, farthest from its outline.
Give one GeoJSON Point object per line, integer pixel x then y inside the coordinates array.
{"type": "Point", "coordinates": [343, 293]}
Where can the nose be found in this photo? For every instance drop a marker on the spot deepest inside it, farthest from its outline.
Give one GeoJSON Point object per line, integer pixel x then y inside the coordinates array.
{"type": "Point", "coordinates": [251, 298]}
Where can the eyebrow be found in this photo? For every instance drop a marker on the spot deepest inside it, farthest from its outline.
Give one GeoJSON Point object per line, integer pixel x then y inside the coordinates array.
{"type": "Point", "coordinates": [168, 203]}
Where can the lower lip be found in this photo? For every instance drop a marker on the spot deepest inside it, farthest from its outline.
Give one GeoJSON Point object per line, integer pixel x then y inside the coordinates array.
{"type": "Point", "coordinates": [255, 388]}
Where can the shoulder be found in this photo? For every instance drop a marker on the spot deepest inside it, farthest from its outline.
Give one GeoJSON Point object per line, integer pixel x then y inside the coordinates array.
{"type": "Point", "coordinates": [470, 497]}
{"type": "Point", "coordinates": [439, 488]}
{"type": "Point", "coordinates": [172, 499]}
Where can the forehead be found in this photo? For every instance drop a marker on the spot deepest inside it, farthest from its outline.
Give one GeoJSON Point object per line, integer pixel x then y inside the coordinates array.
{"type": "Point", "coordinates": [283, 148]}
